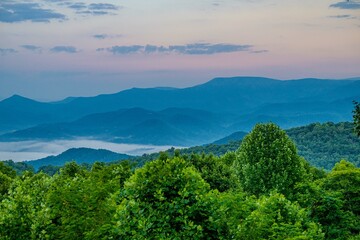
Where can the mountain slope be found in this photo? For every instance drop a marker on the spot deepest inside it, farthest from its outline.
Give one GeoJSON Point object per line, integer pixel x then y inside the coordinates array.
{"type": "Point", "coordinates": [234, 137]}
{"type": "Point", "coordinates": [79, 155]}
{"type": "Point", "coordinates": [321, 144]}
{"type": "Point", "coordinates": [245, 96]}
{"type": "Point", "coordinates": [325, 144]}
{"type": "Point", "coordinates": [175, 126]}
{"type": "Point", "coordinates": [19, 112]}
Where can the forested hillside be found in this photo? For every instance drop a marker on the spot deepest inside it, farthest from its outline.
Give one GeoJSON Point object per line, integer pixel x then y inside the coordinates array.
{"type": "Point", "coordinates": [325, 144]}
{"type": "Point", "coordinates": [80, 155]}
{"type": "Point", "coordinates": [264, 190]}
{"type": "Point", "coordinates": [322, 145]}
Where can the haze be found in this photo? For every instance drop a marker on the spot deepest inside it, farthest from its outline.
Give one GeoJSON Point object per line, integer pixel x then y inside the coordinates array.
{"type": "Point", "coordinates": [32, 150]}
{"type": "Point", "coordinates": [53, 49]}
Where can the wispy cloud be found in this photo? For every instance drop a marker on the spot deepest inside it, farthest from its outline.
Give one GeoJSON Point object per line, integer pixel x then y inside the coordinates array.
{"type": "Point", "coordinates": [189, 49]}
{"type": "Point", "coordinates": [32, 48]}
{"type": "Point", "coordinates": [77, 6]}
{"type": "Point", "coordinates": [102, 6]}
{"type": "Point", "coordinates": [346, 5]}
{"type": "Point", "coordinates": [64, 49]}
{"type": "Point", "coordinates": [106, 36]}
{"type": "Point", "coordinates": [5, 51]}
{"type": "Point", "coordinates": [123, 49]}
{"type": "Point", "coordinates": [92, 9]}
{"type": "Point", "coordinates": [19, 12]}
{"type": "Point", "coordinates": [207, 48]}
{"type": "Point", "coordinates": [260, 51]}
{"type": "Point", "coordinates": [345, 16]}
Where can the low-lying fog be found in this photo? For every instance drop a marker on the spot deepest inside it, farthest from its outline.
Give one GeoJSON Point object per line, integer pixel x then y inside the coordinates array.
{"type": "Point", "coordinates": [32, 150]}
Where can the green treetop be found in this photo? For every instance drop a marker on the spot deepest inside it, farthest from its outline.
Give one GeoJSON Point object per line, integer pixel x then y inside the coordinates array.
{"type": "Point", "coordinates": [267, 160]}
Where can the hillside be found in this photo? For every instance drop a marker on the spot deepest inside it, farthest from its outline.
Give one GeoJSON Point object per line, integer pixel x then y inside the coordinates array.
{"type": "Point", "coordinates": [322, 145]}
{"type": "Point", "coordinates": [235, 196]}
{"type": "Point", "coordinates": [325, 144]}
{"type": "Point", "coordinates": [79, 155]}
{"type": "Point", "coordinates": [251, 99]}
{"type": "Point", "coordinates": [236, 136]}
{"type": "Point", "coordinates": [173, 126]}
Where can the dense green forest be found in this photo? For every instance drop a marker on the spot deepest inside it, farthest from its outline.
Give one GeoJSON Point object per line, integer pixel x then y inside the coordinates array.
{"type": "Point", "coordinates": [325, 144]}
{"type": "Point", "coordinates": [263, 190]}
{"type": "Point", "coordinates": [322, 144]}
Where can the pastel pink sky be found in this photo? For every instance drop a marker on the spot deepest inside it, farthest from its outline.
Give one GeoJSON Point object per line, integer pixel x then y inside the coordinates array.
{"type": "Point", "coordinates": [275, 38]}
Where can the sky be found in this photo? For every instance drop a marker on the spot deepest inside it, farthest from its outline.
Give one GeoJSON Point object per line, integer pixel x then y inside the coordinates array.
{"type": "Point", "coordinates": [52, 49]}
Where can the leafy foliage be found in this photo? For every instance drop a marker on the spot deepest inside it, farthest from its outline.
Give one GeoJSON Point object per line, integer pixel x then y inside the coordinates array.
{"type": "Point", "coordinates": [325, 144]}
{"type": "Point", "coordinates": [187, 196]}
{"type": "Point", "coordinates": [166, 199]}
{"type": "Point", "coordinates": [321, 144]}
{"type": "Point", "coordinates": [356, 118]}
{"type": "Point", "coordinates": [278, 218]}
{"type": "Point", "coordinates": [267, 160]}
{"type": "Point", "coordinates": [217, 171]}
{"type": "Point", "coordinates": [19, 167]}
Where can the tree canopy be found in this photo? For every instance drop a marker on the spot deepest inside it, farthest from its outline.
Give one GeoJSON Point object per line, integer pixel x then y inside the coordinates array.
{"type": "Point", "coordinates": [264, 190]}
{"type": "Point", "coordinates": [267, 160]}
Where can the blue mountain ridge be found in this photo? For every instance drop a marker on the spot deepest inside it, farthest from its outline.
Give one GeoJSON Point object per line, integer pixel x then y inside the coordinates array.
{"type": "Point", "coordinates": [188, 116]}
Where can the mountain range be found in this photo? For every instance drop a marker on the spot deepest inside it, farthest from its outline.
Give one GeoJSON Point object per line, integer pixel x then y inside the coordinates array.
{"type": "Point", "coordinates": [183, 117]}
{"type": "Point", "coordinates": [322, 145]}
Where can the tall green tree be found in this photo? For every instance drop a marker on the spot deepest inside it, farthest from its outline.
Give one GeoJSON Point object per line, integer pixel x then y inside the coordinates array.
{"type": "Point", "coordinates": [166, 199]}
{"type": "Point", "coordinates": [7, 174]}
{"type": "Point", "coordinates": [217, 171]}
{"type": "Point", "coordinates": [333, 200]}
{"type": "Point", "coordinates": [345, 178]}
{"type": "Point", "coordinates": [278, 218]}
{"type": "Point", "coordinates": [79, 202]}
{"type": "Point", "coordinates": [356, 118]}
{"type": "Point", "coordinates": [267, 160]}
{"type": "Point", "coordinates": [19, 211]}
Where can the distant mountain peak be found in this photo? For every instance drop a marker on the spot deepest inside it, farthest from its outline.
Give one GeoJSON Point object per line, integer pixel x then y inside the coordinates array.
{"type": "Point", "coordinates": [17, 99]}
{"type": "Point", "coordinates": [245, 81]}
{"type": "Point", "coordinates": [17, 96]}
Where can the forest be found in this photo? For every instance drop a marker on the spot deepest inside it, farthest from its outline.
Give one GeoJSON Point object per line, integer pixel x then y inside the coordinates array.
{"type": "Point", "coordinates": [262, 190]}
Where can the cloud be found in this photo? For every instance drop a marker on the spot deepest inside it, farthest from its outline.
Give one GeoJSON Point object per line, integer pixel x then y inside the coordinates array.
{"type": "Point", "coordinates": [31, 48]}
{"type": "Point", "coordinates": [102, 6]}
{"type": "Point", "coordinates": [345, 16]}
{"type": "Point", "coordinates": [5, 51]}
{"type": "Point", "coordinates": [260, 51]}
{"type": "Point", "coordinates": [19, 12]}
{"type": "Point", "coordinates": [105, 36]}
{"type": "Point", "coordinates": [123, 49]}
{"type": "Point", "coordinates": [63, 49]}
{"type": "Point", "coordinates": [87, 12]}
{"type": "Point", "coordinates": [216, 4]}
{"type": "Point", "coordinates": [29, 150]}
{"type": "Point", "coordinates": [188, 49]}
{"type": "Point", "coordinates": [78, 6]}
{"type": "Point", "coordinates": [346, 5]}
{"type": "Point", "coordinates": [206, 48]}
{"type": "Point", "coordinates": [91, 9]}
{"type": "Point", "coordinates": [100, 36]}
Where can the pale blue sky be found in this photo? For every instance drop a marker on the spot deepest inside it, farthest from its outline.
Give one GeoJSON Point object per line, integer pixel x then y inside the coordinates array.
{"type": "Point", "coordinates": [50, 49]}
